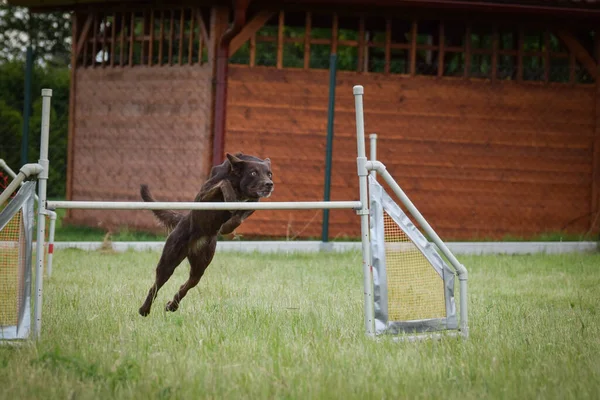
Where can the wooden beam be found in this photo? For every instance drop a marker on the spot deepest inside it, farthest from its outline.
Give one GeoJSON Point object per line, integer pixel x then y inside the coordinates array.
{"type": "Point", "coordinates": [257, 22]}
{"type": "Point", "coordinates": [122, 39]}
{"type": "Point", "coordinates": [95, 42]}
{"type": "Point", "coordinates": [495, 45]}
{"type": "Point", "coordinates": [307, 28]}
{"type": "Point", "coordinates": [361, 44]}
{"type": "Point", "coordinates": [181, 30]}
{"type": "Point", "coordinates": [582, 55]}
{"type": "Point", "coordinates": [520, 45]}
{"type": "Point", "coordinates": [191, 40]}
{"type": "Point", "coordinates": [467, 70]}
{"type": "Point", "coordinates": [280, 26]}
{"type": "Point", "coordinates": [113, 35]}
{"type": "Point", "coordinates": [131, 37]}
{"type": "Point", "coordinates": [171, 36]}
{"type": "Point", "coordinates": [162, 37]}
{"type": "Point", "coordinates": [151, 41]}
{"type": "Point", "coordinates": [442, 45]}
{"type": "Point", "coordinates": [413, 48]}
{"type": "Point", "coordinates": [334, 34]}
{"type": "Point", "coordinates": [253, 50]}
{"type": "Point", "coordinates": [202, 24]}
{"type": "Point", "coordinates": [388, 45]}
{"type": "Point", "coordinates": [81, 40]}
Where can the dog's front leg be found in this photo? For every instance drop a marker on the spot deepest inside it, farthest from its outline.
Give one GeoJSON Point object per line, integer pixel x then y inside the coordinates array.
{"type": "Point", "coordinates": [236, 220]}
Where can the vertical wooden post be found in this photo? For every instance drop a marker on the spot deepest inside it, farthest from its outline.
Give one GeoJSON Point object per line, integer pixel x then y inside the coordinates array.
{"type": "Point", "coordinates": [171, 36]}
{"type": "Point", "coordinates": [94, 44]}
{"type": "Point", "coordinates": [388, 45]}
{"type": "Point", "coordinates": [191, 43]}
{"type": "Point", "coordinates": [181, 29]}
{"type": "Point", "coordinates": [103, 39]}
{"type": "Point", "coordinates": [113, 39]}
{"type": "Point", "coordinates": [307, 29]}
{"type": "Point", "coordinates": [361, 44]}
{"type": "Point", "coordinates": [162, 37]}
{"type": "Point", "coordinates": [520, 45]}
{"type": "Point", "coordinates": [123, 31]}
{"type": "Point", "coordinates": [253, 50]}
{"type": "Point", "coordinates": [86, 42]}
{"type": "Point", "coordinates": [546, 56]}
{"type": "Point", "coordinates": [280, 26]}
{"type": "Point", "coordinates": [334, 34]}
{"type": "Point", "coordinates": [413, 48]}
{"type": "Point", "coordinates": [219, 21]}
{"type": "Point", "coordinates": [467, 71]}
{"type": "Point", "coordinates": [143, 41]}
{"type": "Point", "coordinates": [200, 38]}
{"type": "Point", "coordinates": [495, 45]}
{"type": "Point", "coordinates": [151, 40]}
{"type": "Point", "coordinates": [131, 37]}
{"type": "Point", "coordinates": [442, 45]}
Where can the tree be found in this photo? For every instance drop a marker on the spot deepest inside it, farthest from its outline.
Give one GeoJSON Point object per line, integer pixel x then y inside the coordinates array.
{"type": "Point", "coordinates": [49, 35]}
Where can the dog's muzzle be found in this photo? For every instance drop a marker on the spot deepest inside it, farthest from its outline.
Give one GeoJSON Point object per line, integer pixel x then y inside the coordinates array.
{"type": "Point", "coordinates": [267, 190]}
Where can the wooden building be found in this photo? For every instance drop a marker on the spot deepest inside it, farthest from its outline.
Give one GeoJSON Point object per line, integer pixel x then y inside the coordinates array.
{"type": "Point", "coordinates": [487, 112]}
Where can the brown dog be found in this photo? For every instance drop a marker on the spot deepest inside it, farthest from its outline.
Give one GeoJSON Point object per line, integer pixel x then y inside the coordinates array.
{"type": "Point", "coordinates": [240, 177]}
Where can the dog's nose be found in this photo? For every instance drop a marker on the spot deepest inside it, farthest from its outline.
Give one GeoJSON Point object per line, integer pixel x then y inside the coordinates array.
{"type": "Point", "coordinates": [269, 185]}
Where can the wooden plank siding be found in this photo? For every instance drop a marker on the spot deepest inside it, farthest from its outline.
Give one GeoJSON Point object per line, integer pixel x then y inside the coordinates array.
{"type": "Point", "coordinates": [139, 125]}
{"type": "Point", "coordinates": [478, 160]}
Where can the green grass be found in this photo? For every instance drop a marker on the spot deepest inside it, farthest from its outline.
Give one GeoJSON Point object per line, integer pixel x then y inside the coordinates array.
{"type": "Point", "coordinates": [291, 327]}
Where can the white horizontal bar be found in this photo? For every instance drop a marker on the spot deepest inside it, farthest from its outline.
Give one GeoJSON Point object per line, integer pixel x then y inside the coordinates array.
{"type": "Point", "coordinates": [162, 205]}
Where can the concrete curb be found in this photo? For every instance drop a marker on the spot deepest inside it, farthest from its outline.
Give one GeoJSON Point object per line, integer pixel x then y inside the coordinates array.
{"type": "Point", "coordinates": [316, 246]}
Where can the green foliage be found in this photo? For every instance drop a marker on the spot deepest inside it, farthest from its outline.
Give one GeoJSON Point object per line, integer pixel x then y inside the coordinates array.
{"type": "Point", "coordinates": [48, 34]}
{"type": "Point", "coordinates": [12, 77]}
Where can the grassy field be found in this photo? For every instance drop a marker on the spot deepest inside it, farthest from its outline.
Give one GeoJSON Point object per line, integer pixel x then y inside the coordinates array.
{"type": "Point", "coordinates": [291, 327]}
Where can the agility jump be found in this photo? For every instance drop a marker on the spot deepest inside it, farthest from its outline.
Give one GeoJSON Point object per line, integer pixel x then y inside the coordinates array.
{"type": "Point", "coordinates": [408, 286]}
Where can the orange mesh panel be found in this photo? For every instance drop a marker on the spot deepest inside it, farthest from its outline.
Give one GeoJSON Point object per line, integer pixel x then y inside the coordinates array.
{"type": "Point", "coordinates": [12, 264]}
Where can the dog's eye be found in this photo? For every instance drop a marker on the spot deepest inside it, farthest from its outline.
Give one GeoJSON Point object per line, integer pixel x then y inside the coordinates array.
{"type": "Point", "coordinates": [270, 175]}
{"type": "Point", "coordinates": [253, 173]}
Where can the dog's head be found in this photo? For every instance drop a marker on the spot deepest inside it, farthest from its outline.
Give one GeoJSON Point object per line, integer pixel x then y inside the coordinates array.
{"type": "Point", "coordinates": [255, 175]}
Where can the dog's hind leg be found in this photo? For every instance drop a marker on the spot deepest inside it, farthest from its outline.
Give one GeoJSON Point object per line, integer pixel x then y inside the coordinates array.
{"type": "Point", "coordinates": [200, 256]}
{"type": "Point", "coordinates": [174, 251]}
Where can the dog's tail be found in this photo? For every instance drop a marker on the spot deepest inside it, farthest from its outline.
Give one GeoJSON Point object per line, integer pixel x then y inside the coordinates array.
{"type": "Point", "coordinates": [168, 218]}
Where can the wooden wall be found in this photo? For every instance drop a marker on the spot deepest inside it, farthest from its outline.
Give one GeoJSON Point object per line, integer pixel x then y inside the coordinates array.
{"type": "Point", "coordinates": [139, 125]}
{"type": "Point", "coordinates": [479, 160]}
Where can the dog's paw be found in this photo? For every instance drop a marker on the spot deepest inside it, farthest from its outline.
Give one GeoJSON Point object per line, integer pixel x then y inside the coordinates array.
{"type": "Point", "coordinates": [144, 312]}
{"type": "Point", "coordinates": [171, 306]}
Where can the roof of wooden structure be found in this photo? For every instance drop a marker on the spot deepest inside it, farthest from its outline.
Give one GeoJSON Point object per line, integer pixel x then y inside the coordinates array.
{"type": "Point", "coordinates": [571, 7]}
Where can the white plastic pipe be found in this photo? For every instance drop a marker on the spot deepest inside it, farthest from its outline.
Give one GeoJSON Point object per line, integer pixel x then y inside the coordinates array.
{"type": "Point", "coordinates": [373, 151]}
{"type": "Point", "coordinates": [25, 172]}
{"type": "Point", "coordinates": [361, 161]}
{"type": "Point", "coordinates": [41, 227]}
{"type": "Point", "coordinates": [163, 205]}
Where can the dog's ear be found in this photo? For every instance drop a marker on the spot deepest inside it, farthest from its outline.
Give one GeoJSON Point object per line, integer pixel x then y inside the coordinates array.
{"type": "Point", "coordinates": [268, 161]}
{"type": "Point", "coordinates": [234, 161]}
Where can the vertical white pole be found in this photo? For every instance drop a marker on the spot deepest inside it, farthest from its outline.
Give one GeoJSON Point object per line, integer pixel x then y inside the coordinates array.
{"type": "Point", "coordinates": [41, 231]}
{"type": "Point", "coordinates": [361, 161]}
{"type": "Point", "coordinates": [373, 151]}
